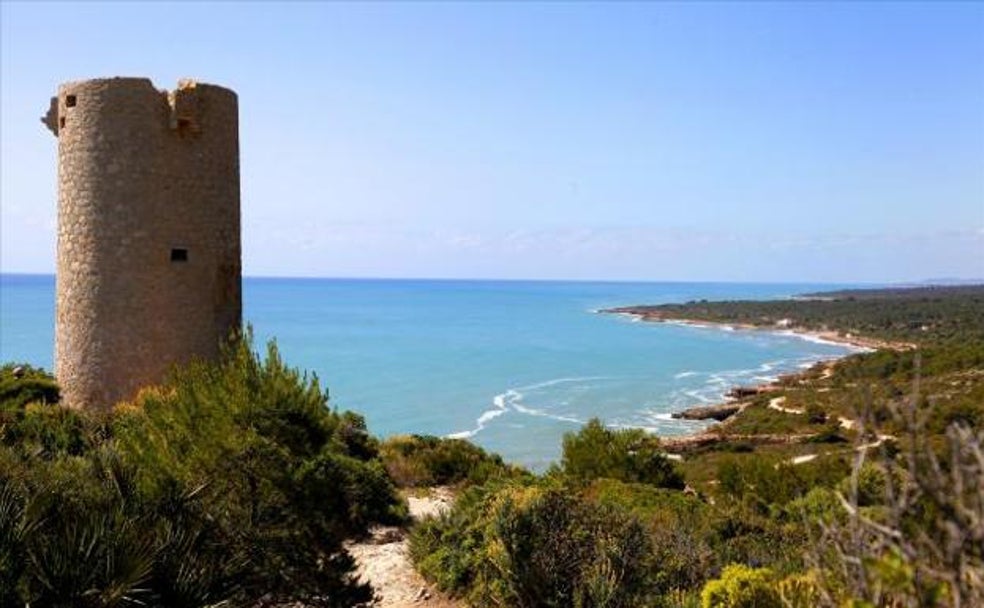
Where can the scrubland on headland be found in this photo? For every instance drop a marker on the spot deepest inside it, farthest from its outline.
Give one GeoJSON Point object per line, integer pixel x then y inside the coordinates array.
{"type": "Point", "coordinates": [859, 482]}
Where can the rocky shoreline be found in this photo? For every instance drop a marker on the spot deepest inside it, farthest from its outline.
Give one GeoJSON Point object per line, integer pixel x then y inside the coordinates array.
{"type": "Point", "coordinates": [719, 412]}
{"type": "Point", "coordinates": [739, 396]}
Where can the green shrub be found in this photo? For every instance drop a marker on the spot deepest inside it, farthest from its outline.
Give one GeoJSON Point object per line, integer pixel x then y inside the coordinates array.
{"type": "Point", "coordinates": [533, 546]}
{"type": "Point", "coordinates": [558, 550]}
{"type": "Point", "coordinates": [21, 384]}
{"type": "Point", "coordinates": [631, 455]}
{"type": "Point", "coordinates": [831, 433]}
{"type": "Point", "coordinates": [800, 591]}
{"type": "Point", "coordinates": [742, 587]}
{"type": "Point", "coordinates": [425, 460]}
{"type": "Point", "coordinates": [871, 485]}
{"type": "Point", "coordinates": [42, 431]}
{"type": "Point", "coordinates": [819, 505]}
{"type": "Point", "coordinates": [679, 527]}
{"type": "Point", "coordinates": [815, 414]}
{"type": "Point", "coordinates": [769, 482]}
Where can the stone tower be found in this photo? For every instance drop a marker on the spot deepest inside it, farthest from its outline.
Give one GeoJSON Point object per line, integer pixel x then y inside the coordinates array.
{"type": "Point", "coordinates": [148, 232]}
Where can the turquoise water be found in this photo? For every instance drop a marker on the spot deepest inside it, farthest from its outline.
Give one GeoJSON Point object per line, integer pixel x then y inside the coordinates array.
{"type": "Point", "coordinates": [512, 365]}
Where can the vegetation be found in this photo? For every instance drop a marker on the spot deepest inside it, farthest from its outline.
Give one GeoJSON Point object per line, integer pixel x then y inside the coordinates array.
{"type": "Point", "coordinates": [235, 484]}
{"type": "Point", "coordinates": [562, 539]}
{"type": "Point", "coordinates": [539, 544]}
{"type": "Point", "coordinates": [231, 483]}
{"type": "Point", "coordinates": [626, 455]}
{"type": "Point", "coordinates": [742, 587]}
{"type": "Point", "coordinates": [424, 460]}
{"type": "Point", "coordinates": [925, 316]}
{"type": "Point", "coordinates": [23, 384]}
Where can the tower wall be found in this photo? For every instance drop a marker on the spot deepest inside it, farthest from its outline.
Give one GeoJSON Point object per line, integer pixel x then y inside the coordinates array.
{"type": "Point", "coordinates": [148, 232]}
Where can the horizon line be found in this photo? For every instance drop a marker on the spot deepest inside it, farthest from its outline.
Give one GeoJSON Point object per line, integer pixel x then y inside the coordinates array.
{"type": "Point", "coordinates": [914, 282]}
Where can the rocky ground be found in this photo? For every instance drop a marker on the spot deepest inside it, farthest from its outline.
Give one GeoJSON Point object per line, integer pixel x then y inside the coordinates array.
{"type": "Point", "coordinates": [383, 559]}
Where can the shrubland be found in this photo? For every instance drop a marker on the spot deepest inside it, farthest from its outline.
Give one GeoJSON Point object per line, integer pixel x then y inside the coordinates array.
{"type": "Point", "coordinates": [425, 460]}
{"type": "Point", "coordinates": [230, 484]}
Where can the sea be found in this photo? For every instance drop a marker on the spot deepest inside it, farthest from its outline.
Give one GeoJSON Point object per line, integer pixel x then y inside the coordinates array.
{"type": "Point", "coordinates": [509, 365]}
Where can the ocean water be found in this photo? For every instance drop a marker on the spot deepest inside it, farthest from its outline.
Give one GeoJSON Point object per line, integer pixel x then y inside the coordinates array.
{"type": "Point", "coordinates": [511, 365]}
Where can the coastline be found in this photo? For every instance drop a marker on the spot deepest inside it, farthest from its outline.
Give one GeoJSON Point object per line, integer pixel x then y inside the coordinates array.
{"type": "Point", "coordinates": [738, 398]}
{"type": "Point", "coordinates": [862, 343]}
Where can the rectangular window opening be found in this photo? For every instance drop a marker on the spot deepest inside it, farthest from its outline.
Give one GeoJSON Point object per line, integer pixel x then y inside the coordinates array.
{"type": "Point", "coordinates": [70, 101]}
{"type": "Point", "coordinates": [61, 122]}
{"type": "Point", "coordinates": [179, 254]}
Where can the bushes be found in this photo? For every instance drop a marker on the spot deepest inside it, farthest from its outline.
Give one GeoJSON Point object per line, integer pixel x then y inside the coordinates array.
{"type": "Point", "coordinates": [631, 455]}
{"type": "Point", "coordinates": [769, 482]}
{"type": "Point", "coordinates": [742, 587]}
{"type": "Point", "coordinates": [533, 546]}
{"type": "Point", "coordinates": [680, 529]}
{"type": "Point", "coordinates": [920, 542]}
{"type": "Point", "coordinates": [82, 533]}
{"type": "Point", "coordinates": [21, 384]}
{"type": "Point", "coordinates": [425, 460]}
{"type": "Point", "coordinates": [581, 536]}
{"type": "Point", "coordinates": [230, 483]}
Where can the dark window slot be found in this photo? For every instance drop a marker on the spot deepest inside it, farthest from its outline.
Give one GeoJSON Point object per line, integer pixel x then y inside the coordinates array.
{"type": "Point", "coordinates": [179, 254]}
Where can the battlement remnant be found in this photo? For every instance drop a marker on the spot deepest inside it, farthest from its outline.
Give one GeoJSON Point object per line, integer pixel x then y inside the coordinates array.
{"type": "Point", "coordinates": [149, 255]}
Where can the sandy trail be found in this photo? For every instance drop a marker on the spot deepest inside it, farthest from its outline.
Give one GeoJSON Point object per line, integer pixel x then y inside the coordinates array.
{"type": "Point", "coordinates": [803, 458]}
{"type": "Point", "coordinates": [776, 404]}
{"type": "Point", "coordinates": [880, 439]}
{"type": "Point", "coordinates": [384, 560]}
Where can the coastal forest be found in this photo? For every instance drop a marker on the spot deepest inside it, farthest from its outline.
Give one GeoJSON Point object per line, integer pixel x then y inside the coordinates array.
{"type": "Point", "coordinates": [858, 483]}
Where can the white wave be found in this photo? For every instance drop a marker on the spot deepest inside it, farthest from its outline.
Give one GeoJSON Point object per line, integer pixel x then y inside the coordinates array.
{"type": "Point", "coordinates": [819, 340]}
{"type": "Point", "coordinates": [488, 416]}
{"type": "Point", "coordinates": [501, 403]}
{"type": "Point", "coordinates": [529, 411]}
{"type": "Point", "coordinates": [460, 435]}
{"type": "Point", "coordinates": [626, 316]}
{"type": "Point", "coordinates": [693, 324]}
{"type": "Point", "coordinates": [685, 374]}
{"type": "Point", "coordinates": [699, 396]}
{"type": "Point", "coordinates": [556, 381]}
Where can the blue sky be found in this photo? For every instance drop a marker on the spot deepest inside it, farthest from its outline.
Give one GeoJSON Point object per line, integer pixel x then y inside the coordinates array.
{"type": "Point", "coordinates": [662, 141]}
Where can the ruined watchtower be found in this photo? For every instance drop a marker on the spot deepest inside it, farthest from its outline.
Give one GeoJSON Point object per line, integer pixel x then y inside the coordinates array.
{"type": "Point", "coordinates": [148, 232]}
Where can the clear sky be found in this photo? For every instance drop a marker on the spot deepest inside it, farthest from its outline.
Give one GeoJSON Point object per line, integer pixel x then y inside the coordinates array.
{"type": "Point", "coordinates": [691, 141]}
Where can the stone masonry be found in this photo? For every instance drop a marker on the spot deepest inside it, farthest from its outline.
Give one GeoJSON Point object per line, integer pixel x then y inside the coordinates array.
{"type": "Point", "coordinates": [148, 232]}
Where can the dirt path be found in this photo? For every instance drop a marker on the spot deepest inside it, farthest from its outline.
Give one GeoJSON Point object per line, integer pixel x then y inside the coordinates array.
{"type": "Point", "coordinates": [880, 439]}
{"type": "Point", "coordinates": [776, 404]}
{"type": "Point", "coordinates": [384, 561]}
